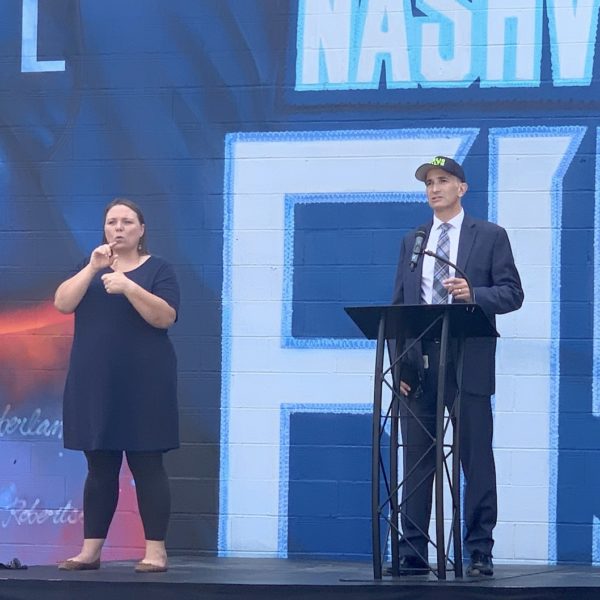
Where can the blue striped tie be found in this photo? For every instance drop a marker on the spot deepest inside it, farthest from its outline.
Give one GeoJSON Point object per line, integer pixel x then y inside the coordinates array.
{"type": "Point", "coordinates": [441, 270]}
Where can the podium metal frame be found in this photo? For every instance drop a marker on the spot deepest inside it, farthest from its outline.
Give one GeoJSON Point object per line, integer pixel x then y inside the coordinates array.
{"type": "Point", "coordinates": [398, 324]}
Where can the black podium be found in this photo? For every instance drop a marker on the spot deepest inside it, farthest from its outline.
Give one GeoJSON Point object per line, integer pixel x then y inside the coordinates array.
{"type": "Point", "coordinates": [403, 326]}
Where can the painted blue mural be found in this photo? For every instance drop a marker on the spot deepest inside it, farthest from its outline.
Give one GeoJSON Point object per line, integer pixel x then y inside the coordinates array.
{"type": "Point", "coordinates": [272, 145]}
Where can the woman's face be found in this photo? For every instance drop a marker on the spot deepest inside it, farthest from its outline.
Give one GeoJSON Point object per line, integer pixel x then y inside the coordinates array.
{"type": "Point", "coordinates": [123, 226]}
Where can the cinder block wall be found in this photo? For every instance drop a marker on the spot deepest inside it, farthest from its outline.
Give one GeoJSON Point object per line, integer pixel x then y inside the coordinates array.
{"type": "Point", "coordinates": [272, 145]}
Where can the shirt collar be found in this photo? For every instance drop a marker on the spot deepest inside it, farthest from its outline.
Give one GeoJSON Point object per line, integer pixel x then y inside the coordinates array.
{"type": "Point", "coordinates": [454, 222]}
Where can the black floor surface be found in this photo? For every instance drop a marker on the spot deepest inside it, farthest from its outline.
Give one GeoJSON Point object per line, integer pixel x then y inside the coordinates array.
{"type": "Point", "coordinates": [265, 579]}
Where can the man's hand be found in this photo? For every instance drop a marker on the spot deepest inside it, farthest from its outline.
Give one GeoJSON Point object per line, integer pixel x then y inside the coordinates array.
{"type": "Point", "coordinates": [458, 288]}
{"type": "Point", "coordinates": [405, 389]}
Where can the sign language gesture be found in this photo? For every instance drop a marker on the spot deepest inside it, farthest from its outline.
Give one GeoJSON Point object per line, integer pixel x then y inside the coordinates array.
{"type": "Point", "coordinates": [116, 282]}
{"type": "Point", "coordinates": [103, 256]}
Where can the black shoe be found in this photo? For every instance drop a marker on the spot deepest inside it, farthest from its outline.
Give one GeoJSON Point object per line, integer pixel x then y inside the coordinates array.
{"type": "Point", "coordinates": [481, 564]}
{"type": "Point", "coordinates": [410, 565]}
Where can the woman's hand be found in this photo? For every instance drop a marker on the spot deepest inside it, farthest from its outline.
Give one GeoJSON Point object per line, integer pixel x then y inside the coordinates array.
{"type": "Point", "coordinates": [70, 292]}
{"type": "Point", "coordinates": [103, 257]}
{"type": "Point", "coordinates": [116, 282]}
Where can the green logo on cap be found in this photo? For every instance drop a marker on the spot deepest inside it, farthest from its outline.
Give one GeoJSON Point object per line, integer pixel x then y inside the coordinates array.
{"type": "Point", "coordinates": [438, 161]}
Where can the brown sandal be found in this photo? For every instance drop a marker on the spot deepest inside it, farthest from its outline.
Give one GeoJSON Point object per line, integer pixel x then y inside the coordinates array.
{"type": "Point", "coordinates": [77, 565]}
{"type": "Point", "coordinates": [146, 567]}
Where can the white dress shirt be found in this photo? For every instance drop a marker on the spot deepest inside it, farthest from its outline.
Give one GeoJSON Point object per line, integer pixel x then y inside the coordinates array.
{"type": "Point", "coordinates": [429, 262]}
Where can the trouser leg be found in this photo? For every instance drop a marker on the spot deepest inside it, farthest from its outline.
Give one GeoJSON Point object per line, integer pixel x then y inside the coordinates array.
{"type": "Point", "coordinates": [417, 419]}
{"type": "Point", "coordinates": [477, 459]}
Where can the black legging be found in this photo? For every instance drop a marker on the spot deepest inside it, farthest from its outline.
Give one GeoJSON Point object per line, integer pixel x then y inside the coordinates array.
{"type": "Point", "coordinates": [101, 492]}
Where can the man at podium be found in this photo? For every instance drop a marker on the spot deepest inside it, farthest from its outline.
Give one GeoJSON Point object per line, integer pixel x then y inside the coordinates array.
{"type": "Point", "coordinates": [481, 250]}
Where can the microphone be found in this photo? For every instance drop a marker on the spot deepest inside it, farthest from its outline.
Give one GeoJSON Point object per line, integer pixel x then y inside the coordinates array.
{"type": "Point", "coordinates": [457, 269]}
{"type": "Point", "coordinates": [417, 249]}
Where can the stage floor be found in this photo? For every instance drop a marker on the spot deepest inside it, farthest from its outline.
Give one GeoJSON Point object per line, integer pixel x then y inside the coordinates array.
{"type": "Point", "coordinates": [264, 579]}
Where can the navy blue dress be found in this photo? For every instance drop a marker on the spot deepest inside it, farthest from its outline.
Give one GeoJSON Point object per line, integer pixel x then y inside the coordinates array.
{"type": "Point", "coordinates": [121, 388]}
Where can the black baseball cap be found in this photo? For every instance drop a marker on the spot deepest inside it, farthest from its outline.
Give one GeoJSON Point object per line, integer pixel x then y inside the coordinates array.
{"type": "Point", "coordinates": [440, 162]}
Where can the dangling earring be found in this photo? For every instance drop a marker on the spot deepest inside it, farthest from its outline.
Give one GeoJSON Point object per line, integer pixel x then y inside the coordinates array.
{"type": "Point", "coordinates": [139, 246]}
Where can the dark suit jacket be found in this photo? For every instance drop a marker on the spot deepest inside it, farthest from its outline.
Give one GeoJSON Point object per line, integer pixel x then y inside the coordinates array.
{"type": "Point", "coordinates": [485, 255]}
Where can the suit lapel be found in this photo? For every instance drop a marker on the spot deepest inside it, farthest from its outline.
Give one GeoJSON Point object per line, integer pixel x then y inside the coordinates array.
{"type": "Point", "coordinates": [468, 233]}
